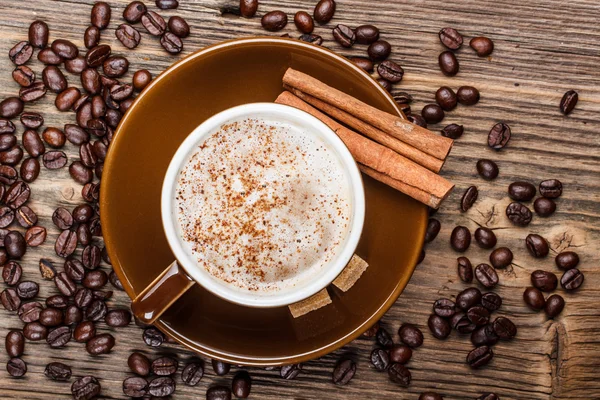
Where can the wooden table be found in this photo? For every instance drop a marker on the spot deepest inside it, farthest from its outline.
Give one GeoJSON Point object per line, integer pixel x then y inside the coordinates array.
{"type": "Point", "coordinates": [542, 49]}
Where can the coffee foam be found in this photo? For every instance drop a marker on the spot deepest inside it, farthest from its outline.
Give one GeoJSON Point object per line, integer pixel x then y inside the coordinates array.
{"type": "Point", "coordinates": [263, 205]}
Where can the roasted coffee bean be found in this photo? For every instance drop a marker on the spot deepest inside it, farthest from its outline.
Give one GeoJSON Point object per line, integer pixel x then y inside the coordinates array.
{"type": "Point", "coordinates": [17, 194]}
{"type": "Point", "coordinates": [380, 359]}
{"type": "Point", "coordinates": [171, 43]}
{"type": "Point", "coordinates": [405, 108]}
{"type": "Point", "coordinates": [16, 367]}
{"type": "Point", "coordinates": [91, 37]}
{"type": "Point", "coordinates": [14, 343]}
{"type": "Point", "coordinates": [97, 126]}
{"type": "Point", "coordinates": [80, 173]}
{"type": "Point", "coordinates": [65, 284]}
{"type": "Point", "coordinates": [83, 296]}
{"type": "Point", "coordinates": [87, 155]}
{"type": "Point", "coordinates": [112, 118]}
{"type": "Point", "coordinates": [35, 331]}
{"type": "Point", "coordinates": [221, 368]}
{"type": "Point", "coordinates": [544, 280]}
{"type": "Point", "coordinates": [125, 104]}
{"type": "Point", "coordinates": [465, 269]}
{"type": "Point", "coordinates": [23, 75]}
{"type": "Point", "coordinates": [482, 46]}
{"type": "Point", "coordinates": [439, 327]}
{"type": "Point", "coordinates": [572, 279]}
{"type": "Point", "coordinates": [7, 216]}
{"type": "Point", "coordinates": [118, 318]}
{"type": "Point", "coordinates": [218, 393]}
{"type": "Point", "coordinates": [100, 344]}
{"type": "Point", "coordinates": [384, 338]}
{"type": "Point", "coordinates": [248, 8]}
{"type": "Point", "coordinates": [54, 79]}
{"type": "Point", "coordinates": [84, 331]}
{"type": "Point", "coordinates": [141, 79]}
{"type": "Point", "coordinates": [76, 65]}
{"type": "Point", "coordinates": [64, 49]}
{"type": "Point", "coordinates": [115, 66]}
{"type": "Point", "coordinates": [134, 11]}
{"type": "Point", "coordinates": [95, 226]}
{"type": "Point", "coordinates": [390, 71]}
{"type": "Point", "coordinates": [27, 290]}
{"type": "Point", "coordinates": [372, 331]}
{"type": "Point", "coordinates": [400, 353]}
{"type": "Point", "coordinates": [76, 135]}
{"type": "Point", "coordinates": [59, 337]}
{"type": "Point", "coordinates": [366, 34]}
{"type": "Point", "coordinates": [460, 239]}
{"type": "Point", "coordinates": [567, 260]}
{"type": "Point", "coordinates": [448, 63]}
{"type": "Point", "coordinates": [47, 270]}
{"type": "Point", "coordinates": [344, 35]}
{"type": "Point", "coordinates": [62, 218]}
{"type": "Point", "coordinates": [90, 192]}
{"type": "Point", "coordinates": [551, 188]}
{"type": "Point", "coordinates": [179, 27]}
{"type": "Point", "coordinates": [486, 275]}
{"type": "Point", "coordinates": [128, 36]}
{"type": "Point", "coordinates": [518, 214]}
{"type": "Point", "coordinates": [96, 310]}
{"type": "Point", "coordinates": [484, 336]}
{"type": "Point", "coordinates": [242, 383]}
{"type": "Point", "coordinates": [504, 328]}
{"type": "Point", "coordinates": [58, 371]}
{"type": "Point", "coordinates": [274, 21]}
{"type": "Point", "coordinates": [97, 55]}
{"type": "Point", "coordinates": [54, 137]}
{"type": "Point", "coordinates": [554, 305]}
{"type": "Point", "coordinates": [30, 312]}
{"type": "Point", "coordinates": [387, 85]}
{"type": "Point", "coordinates": [302, 20]}
{"type": "Point", "coordinates": [568, 102]}
{"type": "Point", "coordinates": [433, 228]}
{"type": "Point", "coordinates": [31, 120]}
{"type": "Point", "coordinates": [7, 141]}
{"type": "Point", "coordinates": [478, 315]}
{"type": "Point", "coordinates": [379, 50]}
{"type": "Point", "coordinates": [99, 150]}
{"type": "Point", "coordinates": [83, 213]}
{"type": "Point", "coordinates": [85, 388]}
{"type": "Point", "coordinates": [3, 253]}
{"type": "Point", "coordinates": [324, 11]}
{"type": "Point", "coordinates": [479, 356]}
{"type": "Point", "coordinates": [95, 279]}
{"type": "Point", "coordinates": [410, 335]}
{"type": "Point", "coordinates": [430, 396]}
{"type": "Point", "coordinates": [499, 136]}
{"type": "Point", "coordinates": [469, 198]}
{"type": "Point", "coordinates": [8, 175]}
{"type": "Point", "coordinates": [290, 371]}
{"type": "Point", "coordinates": [50, 317]}
{"type": "Point", "coordinates": [446, 98]}
{"type": "Point", "coordinates": [164, 366]}
{"type": "Point", "coordinates": [75, 270]}
{"type": "Point", "coordinates": [363, 63]}
{"type": "Point", "coordinates": [65, 100]}
{"type": "Point", "coordinates": [73, 315]}
{"type": "Point", "coordinates": [54, 159]}
{"type": "Point", "coordinates": [121, 92]}
{"type": "Point", "coordinates": [90, 81]}
{"type": "Point", "coordinates": [11, 157]}
{"type": "Point", "coordinates": [7, 127]}
{"type": "Point", "coordinates": [167, 4]}
{"type": "Point", "coordinates": [154, 23]}
{"type": "Point", "coordinates": [38, 34]}
{"type": "Point", "coordinates": [432, 113]}
{"type": "Point", "coordinates": [192, 374]}
{"type": "Point", "coordinates": [15, 245]}
{"type": "Point", "coordinates": [485, 238]}
{"type": "Point", "coordinates": [11, 107]}
{"type": "Point", "coordinates": [135, 386]}
{"type": "Point", "coordinates": [444, 308]}
{"type": "Point", "coordinates": [153, 337]}
{"type": "Point", "coordinates": [487, 169]}
{"type": "Point", "coordinates": [30, 170]}
{"type": "Point", "coordinates": [451, 38]}
{"type": "Point", "coordinates": [534, 298]}
{"type": "Point", "coordinates": [11, 273]}
{"type": "Point", "coordinates": [114, 280]}
{"type": "Point", "coordinates": [537, 245]}
{"type": "Point", "coordinates": [21, 53]}
{"type": "Point", "coordinates": [57, 301]}
{"type": "Point", "coordinates": [139, 364]}
{"type": "Point", "coordinates": [10, 300]}
{"type": "Point", "coordinates": [66, 243]}
{"type": "Point", "coordinates": [100, 15]}
{"type": "Point", "coordinates": [521, 191]}
{"type": "Point", "coordinates": [544, 207]}
{"type": "Point", "coordinates": [399, 374]}
{"type": "Point", "coordinates": [467, 95]}
{"type": "Point", "coordinates": [342, 374]}
{"type": "Point", "coordinates": [49, 57]}
{"type": "Point", "coordinates": [468, 298]}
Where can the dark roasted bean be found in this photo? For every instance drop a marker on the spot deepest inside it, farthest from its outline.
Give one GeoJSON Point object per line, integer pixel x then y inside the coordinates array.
{"type": "Point", "coordinates": [7, 216]}
{"type": "Point", "coordinates": [23, 75]}
{"type": "Point", "coordinates": [49, 57]}
{"type": "Point", "coordinates": [439, 327]}
{"type": "Point", "coordinates": [499, 136]}
{"type": "Point", "coordinates": [484, 336]}
{"type": "Point", "coordinates": [154, 23]}
{"type": "Point", "coordinates": [399, 374]}
{"type": "Point", "coordinates": [134, 11]}
{"type": "Point", "coordinates": [171, 43]}
{"type": "Point", "coordinates": [468, 198]}
{"type": "Point", "coordinates": [432, 113]}
{"type": "Point", "coordinates": [274, 21]}
{"type": "Point", "coordinates": [491, 301]}
{"type": "Point", "coordinates": [128, 36]}
{"type": "Point", "coordinates": [66, 243]}
{"type": "Point", "coordinates": [487, 169]}
{"type": "Point", "coordinates": [30, 312]}
{"type": "Point", "coordinates": [54, 137]}
{"type": "Point", "coordinates": [64, 49]}
{"type": "Point", "coordinates": [11, 157]}
{"type": "Point", "coordinates": [135, 386]}
{"type": "Point", "coordinates": [537, 245]}
{"type": "Point", "coordinates": [521, 191]}
{"type": "Point", "coordinates": [83, 296]}
{"type": "Point", "coordinates": [572, 279]}
{"type": "Point", "coordinates": [504, 328]}
{"type": "Point", "coordinates": [16, 367]}
{"type": "Point", "coordinates": [153, 337]}
{"type": "Point", "coordinates": [478, 315]}
{"type": "Point", "coordinates": [38, 34]}
{"type": "Point", "coordinates": [50, 317]}
{"type": "Point", "coordinates": [54, 79]}
{"type": "Point", "coordinates": [85, 388]}
{"type": "Point", "coordinates": [80, 173]}
{"type": "Point", "coordinates": [34, 92]}
{"type": "Point", "coordinates": [554, 305]}
{"type": "Point", "coordinates": [379, 50]}
{"type": "Point", "coordinates": [15, 245]}
{"type": "Point", "coordinates": [366, 34]}
{"type": "Point", "coordinates": [534, 298]}
{"type": "Point", "coordinates": [324, 11]}
{"type": "Point", "coordinates": [390, 71]}
{"type": "Point", "coordinates": [96, 310]}
{"type": "Point", "coordinates": [90, 81]}
{"type": "Point", "coordinates": [21, 53]}
{"type": "Point", "coordinates": [468, 298]}
{"type": "Point", "coordinates": [118, 318]}
{"type": "Point", "coordinates": [58, 371]}
{"type": "Point", "coordinates": [518, 214]}
{"type": "Point", "coordinates": [344, 35]}
{"type": "Point", "coordinates": [410, 335]}
{"type": "Point", "coordinates": [485, 238]}
{"type": "Point", "coordinates": [59, 337]}
{"type": "Point", "coordinates": [460, 239]}
{"type": "Point", "coordinates": [65, 284]}
{"type": "Point", "coordinates": [380, 359]}
{"type": "Point", "coordinates": [342, 374]}
{"type": "Point", "coordinates": [73, 315]}
{"type": "Point", "coordinates": [446, 98]}
{"type": "Point", "coordinates": [35, 331]}
{"type": "Point", "coordinates": [91, 37]}
{"type": "Point", "coordinates": [164, 366]}
{"type": "Point", "coordinates": [248, 8]}
{"type": "Point", "coordinates": [453, 131]}
{"type": "Point", "coordinates": [115, 66]}
{"type": "Point", "coordinates": [448, 63]}
{"type": "Point", "coordinates": [100, 16]}
{"type": "Point", "coordinates": [551, 188]}
{"type": "Point", "coordinates": [387, 85]}
{"type": "Point", "coordinates": [451, 38]}
{"type": "Point", "coordinates": [7, 141]}
{"type": "Point", "coordinates": [54, 159]}
{"type": "Point", "coordinates": [75, 270]}
{"type": "Point", "coordinates": [84, 99]}
{"type": "Point", "coordinates": [433, 228]}
{"type": "Point", "coordinates": [84, 331]}
{"type": "Point", "coordinates": [479, 356]}
{"type": "Point", "coordinates": [482, 46]}
{"type": "Point", "coordinates": [14, 343]}
{"type": "Point", "coordinates": [57, 301]}
{"type": "Point", "coordinates": [100, 344]}
{"type": "Point", "coordinates": [10, 300]}
{"type": "Point", "coordinates": [167, 4]}
{"type": "Point", "coordinates": [65, 100]}
{"type": "Point", "coordinates": [400, 353]}
{"type": "Point", "coordinates": [162, 386]}
{"type": "Point", "coordinates": [467, 95]}
{"type": "Point", "coordinates": [95, 279]}
{"type": "Point", "coordinates": [568, 102]}
{"type": "Point", "coordinates": [27, 290]}
{"type": "Point", "coordinates": [242, 383]}
{"type": "Point", "coordinates": [486, 275]}
{"type": "Point", "coordinates": [62, 218]}
{"type": "Point", "coordinates": [76, 65]}
{"type": "Point", "coordinates": [302, 19]}
{"type": "Point", "coordinates": [363, 63]}
{"type": "Point", "coordinates": [465, 269]}
{"type": "Point", "coordinates": [178, 26]}
{"type": "Point", "coordinates": [544, 207]}
{"type": "Point", "coordinates": [11, 107]}
{"type": "Point", "coordinates": [139, 364]}
{"type": "Point", "coordinates": [97, 55]}
{"type": "Point", "coordinates": [567, 260]}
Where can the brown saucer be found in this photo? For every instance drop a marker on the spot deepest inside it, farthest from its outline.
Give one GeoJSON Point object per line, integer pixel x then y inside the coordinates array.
{"type": "Point", "coordinates": [209, 81]}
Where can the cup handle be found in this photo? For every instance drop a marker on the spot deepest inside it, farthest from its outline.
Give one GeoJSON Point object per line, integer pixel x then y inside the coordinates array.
{"type": "Point", "coordinates": [154, 300]}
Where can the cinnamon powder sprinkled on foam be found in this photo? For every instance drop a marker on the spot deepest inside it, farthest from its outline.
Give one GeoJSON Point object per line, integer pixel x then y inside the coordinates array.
{"type": "Point", "coordinates": [262, 205]}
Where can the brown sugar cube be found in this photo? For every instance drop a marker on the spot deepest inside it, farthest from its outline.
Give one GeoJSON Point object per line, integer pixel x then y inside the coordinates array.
{"type": "Point", "coordinates": [351, 273]}
{"type": "Point", "coordinates": [314, 302]}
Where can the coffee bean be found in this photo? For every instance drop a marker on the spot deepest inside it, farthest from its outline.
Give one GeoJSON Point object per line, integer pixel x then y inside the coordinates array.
{"type": "Point", "coordinates": [115, 66]}
{"type": "Point", "coordinates": [486, 275]}
{"type": "Point", "coordinates": [445, 308]}
{"type": "Point", "coordinates": [380, 359]}
{"type": "Point", "coordinates": [113, 117]}
{"type": "Point", "coordinates": [491, 301]}
{"type": "Point", "coordinates": [487, 169]}
{"type": "Point", "coordinates": [7, 216]}
{"type": "Point", "coordinates": [448, 63]}
{"type": "Point", "coordinates": [11, 273]}
{"type": "Point", "coordinates": [11, 107]}
{"type": "Point", "coordinates": [95, 279]}
{"type": "Point", "coordinates": [167, 4]}
{"type": "Point", "coordinates": [16, 367]}
{"type": "Point", "coordinates": [97, 55]}
{"type": "Point", "coordinates": [468, 298]}
{"type": "Point", "coordinates": [65, 49]}
{"type": "Point", "coordinates": [47, 270]}
{"type": "Point", "coordinates": [62, 218]}
{"type": "Point", "coordinates": [14, 343]}
{"type": "Point", "coordinates": [100, 16]}
{"type": "Point", "coordinates": [17, 195]}
{"type": "Point", "coordinates": [432, 113]}
{"type": "Point", "coordinates": [521, 191]}
{"type": "Point", "coordinates": [83, 213]}
{"type": "Point", "coordinates": [73, 315]}
{"type": "Point", "coordinates": [15, 245]}
{"type": "Point", "coordinates": [345, 36]}
{"type": "Point", "coordinates": [54, 137]}
{"type": "Point", "coordinates": [218, 393]}
{"type": "Point", "coordinates": [480, 356]}
{"type": "Point", "coordinates": [324, 11]}
{"type": "Point", "coordinates": [460, 239]}
{"type": "Point", "coordinates": [568, 102]}
{"type": "Point", "coordinates": [20, 53]}
{"type": "Point", "coordinates": [35, 331]}
{"type": "Point", "coordinates": [57, 301]}
{"type": "Point", "coordinates": [387, 85]}
{"type": "Point", "coordinates": [59, 337]}
{"type": "Point", "coordinates": [30, 312]}
{"type": "Point", "coordinates": [23, 75]}
{"type": "Point", "coordinates": [551, 188]}
{"type": "Point", "coordinates": [537, 245]}
{"type": "Point", "coordinates": [484, 336]}
{"type": "Point", "coordinates": [80, 173]}
{"type": "Point", "coordinates": [10, 300]}
{"type": "Point", "coordinates": [38, 34]}
{"type": "Point", "coordinates": [465, 269]}
{"type": "Point", "coordinates": [139, 364]}
{"type": "Point", "coordinates": [433, 228]}
{"type": "Point", "coordinates": [153, 337]}
{"type": "Point", "coordinates": [439, 327]}
{"type": "Point", "coordinates": [554, 305]}
{"type": "Point", "coordinates": [50, 317]}
{"type": "Point", "coordinates": [49, 57]}
{"type": "Point", "coordinates": [390, 71]}
{"type": "Point", "coordinates": [12, 156]}
{"type": "Point", "coordinates": [96, 311]}
{"type": "Point", "coordinates": [372, 331]}
{"type": "Point", "coordinates": [504, 328]}
{"type": "Point", "coordinates": [451, 38]}
{"type": "Point", "coordinates": [192, 374]}
{"type": "Point", "coordinates": [134, 11]}
{"type": "Point", "coordinates": [85, 388]}
{"type": "Point", "coordinates": [30, 170]}
{"type": "Point", "coordinates": [469, 198]}
{"type": "Point", "coordinates": [84, 331]}
{"type": "Point", "coordinates": [100, 344]}
{"type": "Point", "coordinates": [3, 253]}
{"type": "Point", "coordinates": [499, 136]}
{"type": "Point", "coordinates": [135, 386]}
{"type": "Point", "coordinates": [65, 100]}
{"type": "Point", "coordinates": [572, 279]}
{"type": "Point", "coordinates": [274, 21]}
{"type": "Point", "coordinates": [90, 192]}
{"type": "Point", "coordinates": [154, 23]}
{"type": "Point", "coordinates": [467, 95]}
{"type": "Point", "coordinates": [128, 36]}
{"type": "Point", "coordinates": [91, 37]}
{"type": "Point", "coordinates": [114, 280]}
{"type": "Point", "coordinates": [383, 338]}
{"type": "Point", "coordinates": [430, 396]}
{"type": "Point", "coordinates": [379, 50]}
{"type": "Point", "coordinates": [76, 65]}
{"type": "Point", "coordinates": [366, 34]}
{"type": "Point", "coordinates": [54, 159]}
{"type": "Point", "coordinates": [446, 98]}
{"type": "Point", "coordinates": [248, 8]}
{"type": "Point", "coordinates": [482, 46]}
{"type": "Point", "coordinates": [242, 383]}
{"type": "Point", "coordinates": [27, 290]}
{"type": "Point", "coordinates": [221, 368]}
{"type": "Point", "coordinates": [62, 281]}
{"type": "Point", "coordinates": [118, 318]}
{"type": "Point", "coordinates": [54, 79]}
{"type": "Point", "coordinates": [417, 120]}
{"type": "Point", "coordinates": [534, 298]}
{"type": "Point", "coordinates": [75, 271]}
{"type": "Point", "coordinates": [171, 43]}
{"type": "Point", "coordinates": [179, 27]}
{"type": "Point", "coordinates": [83, 296]}
{"type": "Point", "coordinates": [66, 243]}
{"type": "Point", "coordinates": [141, 79]}
{"type": "Point", "coordinates": [478, 315]}
{"type": "Point", "coordinates": [485, 238]}
{"type": "Point", "coordinates": [544, 207]}
{"type": "Point", "coordinates": [518, 214]}
{"type": "Point", "coordinates": [7, 127]}
{"type": "Point", "coordinates": [399, 374]}
{"type": "Point", "coordinates": [58, 371]}
{"type": "Point", "coordinates": [164, 366]}
{"type": "Point", "coordinates": [567, 260]}
{"type": "Point", "coordinates": [410, 335]}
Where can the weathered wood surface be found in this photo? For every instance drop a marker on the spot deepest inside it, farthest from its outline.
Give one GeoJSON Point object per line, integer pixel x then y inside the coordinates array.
{"type": "Point", "coordinates": [543, 48]}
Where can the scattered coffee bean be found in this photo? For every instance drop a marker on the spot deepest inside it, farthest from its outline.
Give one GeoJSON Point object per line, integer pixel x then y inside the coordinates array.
{"type": "Point", "coordinates": [100, 15]}
{"type": "Point", "coordinates": [100, 344]}
{"type": "Point", "coordinates": [465, 269]}
{"type": "Point", "coordinates": [410, 335]}
{"type": "Point", "coordinates": [135, 386]}
{"type": "Point", "coordinates": [65, 49]}
{"type": "Point", "coordinates": [448, 63]}
{"type": "Point", "coordinates": [467, 95]}
{"type": "Point", "coordinates": [417, 120]}
{"type": "Point", "coordinates": [504, 328]}
{"type": "Point", "coordinates": [554, 305]}
{"type": "Point", "coordinates": [432, 113]}
{"type": "Point", "coordinates": [430, 396]}
{"type": "Point", "coordinates": [248, 8]}
{"type": "Point", "coordinates": [73, 315]}
{"type": "Point", "coordinates": [14, 343]}
{"type": "Point", "coordinates": [518, 214]}
{"type": "Point", "coordinates": [128, 36]}
{"type": "Point", "coordinates": [58, 371]}
{"type": "Point", "coordinates": [153, 337]}
{"type": "Point", "coordinates": [433, 228]}
{"type": "Point", "coordinates": [59, 337]}
{"type": "Point", "coordinates": [290, 371]}
{"type": "Point", "coordinates": [35, 331]}
{"type": "Point", "coordinates": [534, 298]}
{"type": "Point", "coordinates": [66, 243]}
{"type": "Point", "coordinates": [84, 331]}
{"type": "Point", "coordinates": [303, 21]}
{"type": "Point", "coordinates": [54, 159]}
{"type": "Point", "coordinates": [387, 85]}
{"type": "Point", "coordinates": [11, 107]}
{"type": "Point", "coordinates": [139, 364]}
{"type": "Point", "coordinates": [167, 4]}
{"type": "Point", "coordinates": [379, 50]}
{"type": "Point", "coordinates": [480, 356]}
{"type": "Point", "coordinates": [439, 327]}
{"type": "Point", "coordinates": [324, 11]}
{"type": "Point", "coordinates": [95, 279]}
{"type": "Point", "coordinates": [544, 280]}
{"type": "Point", "coordinates": [567, 260]}
{"type": "Point", "coordinates": [218, 393]}
{"type": "Point", "coordinates": [274, 21]}
{"type": "Point", "coordinates": [499, 136]}
{"type": "Point", "coordinates": [23, 75]}
{"type": "Point", "coordinates": [469, 198]}
{"type": "Point", "coordinates": [568, 102]}
{"type": "Point", "coordinates": [27, 290]}
{"type": "Point", "coordinates": [478, 315]}
{"type": "Point", "coordinates": [380, 359]}
{"type": "Point", "coordinates": [551, 188]}
{"type": "Point", "coordinates": [486, 275]}
{"type": "Point", "coordinates": [451, 38]}
{"type": "Point", "coordinates": [10, 300]}
{"type": "Point", "coordinates": [15, 245]}
{"type": "Point", "coordinates": [366, 34]}
{"type": "Point", "coordinates": [115, 66]}
{"type": "Point", "coordinates": [537, 246]}
{"type": "Point", "coordinates": [47, 270]}
{"type": "Point", "coordinates": [544, 207]}
{"type": "Point", "coordinates": [400, 353]}
{"type": "Point", "coordinates": [446, 98]}
{"type": "Point", "coordinates": [91, 37]}
{"type": "Point", "coordinates": [485, 238]}
{"type": "Point", "coordinates": [399, 374]}
{"type": "Point", "coordinates": [193, 372]}
{"type": "Point", "coordinates": [468, 298]}
{"type": "Point", "coordinates": [521, 191]}
{"type": "Point", "coordinates": [171, 43]}
{"type": "Point", "coordinates": [390, 71]}
{"type": "Point", "coordinates": [50, 317]}
{"type": "Point", "coordinates": [179, 27]}
{"type": "Point", "coordinates": [445, 308]}
{"type": "Point", "coordinates": [21, 53]}
{"type": "Point", "coordinates": [30, 312]}
{"type": "Point", "coordinates": [491, 301]}
{"type": "Point", "coordinates": [164, 366]}
{"type": "Point", "coordinates": [38, 34]}
{"type": "Point", "coordinates": [572, 279]}
{"type": "Point", "coordinates": [383, 338]}
{"type": "Point", "coordinates": [16, 367]}
{"type": "Point", "coordinates": [85, 388]}
{"type": "Point", "coordinates": [484, 336]}
{"type": "Point", "coordinates": [49, 57]}
{"type": "Point", "coordinates": [482, 46]}
{"type": "Point", "coordinates": [57, 301]}
{"type": "Point", "coordinates": [460, 239]}
{"type": "Point", "coordinates": [241, 384]}
{"type": "Point", "coordinates": [11, 273]}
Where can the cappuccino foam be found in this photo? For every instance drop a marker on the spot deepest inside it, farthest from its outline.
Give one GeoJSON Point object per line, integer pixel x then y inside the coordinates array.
{"type": "Point", "coordinates": [263, 205]}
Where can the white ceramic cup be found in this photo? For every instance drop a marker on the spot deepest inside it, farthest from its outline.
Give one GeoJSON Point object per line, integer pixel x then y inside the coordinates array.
{"type": "Point", "coordinates": [310, 125]}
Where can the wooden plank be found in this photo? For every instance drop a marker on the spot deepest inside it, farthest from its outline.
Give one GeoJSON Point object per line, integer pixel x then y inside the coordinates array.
{"type": "Point", "coordinates": [543, 48]}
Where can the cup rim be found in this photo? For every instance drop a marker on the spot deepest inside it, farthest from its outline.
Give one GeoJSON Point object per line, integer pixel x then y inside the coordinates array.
{"type": "Point", "coordinates": [211, 283]}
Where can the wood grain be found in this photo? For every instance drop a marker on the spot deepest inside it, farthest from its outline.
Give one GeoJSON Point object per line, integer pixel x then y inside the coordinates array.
{"type": "Point", "coordinates": [542, 49]}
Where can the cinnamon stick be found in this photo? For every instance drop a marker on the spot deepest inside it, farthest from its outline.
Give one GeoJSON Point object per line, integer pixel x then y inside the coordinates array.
{"type": "Point", "coordinates": [416, 179]}
{"type": "Point", "coordinates": [416, 155]}
{"type": "Point", "coordinates": [414, 135]}
{"type": "Point", "coordinates": [417, 194]}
